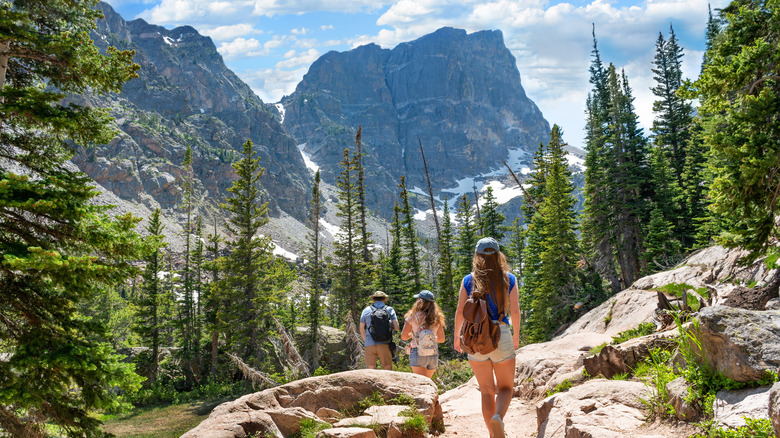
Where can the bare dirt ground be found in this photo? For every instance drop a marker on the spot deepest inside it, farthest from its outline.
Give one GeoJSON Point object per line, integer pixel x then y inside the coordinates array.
{"type": "Point", "coordinates": [463, 415]}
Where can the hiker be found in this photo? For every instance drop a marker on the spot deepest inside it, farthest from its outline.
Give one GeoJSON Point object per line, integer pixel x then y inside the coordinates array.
{"type": "Point", "coordinates": [424, 325]}
{"type": "Point", "coordinates": [490, 279]}
{"type": "Point", "coordinates": [381, 322]}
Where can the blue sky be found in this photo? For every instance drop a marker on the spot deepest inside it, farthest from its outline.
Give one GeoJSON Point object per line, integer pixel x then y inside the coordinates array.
{"type": "Point", "coordinates": [270, 44]}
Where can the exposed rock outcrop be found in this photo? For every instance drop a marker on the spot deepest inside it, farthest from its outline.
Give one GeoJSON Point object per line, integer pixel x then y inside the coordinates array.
{"type": "Point", "coordinates": [740, 344]}
{"type": "Point", "coordinates": [459, 93]}
{"type": "Point", "coordinates": [774, 407]}
{"type": "Point", "coordinates": [623, 358]}
{"type": "Point", "coordinates": [278, 411]}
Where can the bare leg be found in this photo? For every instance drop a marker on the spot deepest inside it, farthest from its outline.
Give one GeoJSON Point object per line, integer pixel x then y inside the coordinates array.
{"type": "Point", "coordinates": [423, 371]}
{"type": "Point", "coordinates": [483, 371]}
{"type": "Point", "coordinates": [505, 382]}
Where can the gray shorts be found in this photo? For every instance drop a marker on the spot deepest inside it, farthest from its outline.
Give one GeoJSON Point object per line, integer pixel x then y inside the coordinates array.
{"type": "Point", "coordinates": [504, 351]}
{"type": "Point", "coordinates": [427, 362]}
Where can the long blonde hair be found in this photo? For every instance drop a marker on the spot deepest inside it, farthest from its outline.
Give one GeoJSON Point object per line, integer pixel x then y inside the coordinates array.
{"type": "Point", "coordinates": [489, 274]}
{"type": "Point", "coordinates": [431, 311]}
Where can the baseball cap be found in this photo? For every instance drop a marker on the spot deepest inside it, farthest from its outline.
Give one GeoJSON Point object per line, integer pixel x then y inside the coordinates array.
{"type": "Point", "coordinates": [426, 295]}
{"type": "Point", "coordinates": [486, 245]}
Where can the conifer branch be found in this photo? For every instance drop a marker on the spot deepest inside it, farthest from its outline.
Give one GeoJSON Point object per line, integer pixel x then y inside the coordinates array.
{"type": "Point", "coordinates": [258, 378]}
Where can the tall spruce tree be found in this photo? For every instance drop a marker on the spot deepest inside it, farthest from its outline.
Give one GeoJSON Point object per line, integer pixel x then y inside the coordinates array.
{"type": "Point", "coordinates": [314, 271]}
{"type": "Point", "coordinates": [597, 224]}
{"type": "Point", "coordinates": [365, 236]}
{"type": "Point", "coordinates": [413, 264]}
{"type": "Point", "coordinates": [58, 249]}
{"type": "Point", "coordinates": [467, 237]}
{"type": "Point", "coordinates": [348, 270]}
{"type": "Point", "coordinates": [251, 272]}
{"type": "Point", "coordinates": [739, 90]}
{"type": "Point", "coordinates": [149, 314]}
{"type": "Point", "coordinates": [395, 274]}
{"type": "Point", "coordinates": [552, 284]}
{"type": "Point", "coordinates": [448, 288]}
{"type": "Point", "coordinates": [187, 306]}
{"type": "Point", "coordinates": [492, 219]}
{"type": "Point", "coordinates": [213, 299]}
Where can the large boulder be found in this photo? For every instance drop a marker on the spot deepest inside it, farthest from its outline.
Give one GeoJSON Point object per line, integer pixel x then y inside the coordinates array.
{"type": "Point", "coordinates": [732, 406]}
{"type": "Point", "coordinates": [599, 408]}
{"type": "Point", "coordinates": [624, 357]}
{"type": "Point", "coordinates": [741, 344]}
{"type": "Point", "coordinates": [279, 411]}
{"type": "Point", "coordinates": [774, 407]}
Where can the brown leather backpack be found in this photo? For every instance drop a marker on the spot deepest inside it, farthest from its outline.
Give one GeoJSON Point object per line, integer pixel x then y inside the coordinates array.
{"type": "Point", "coordinates": [478, 334]}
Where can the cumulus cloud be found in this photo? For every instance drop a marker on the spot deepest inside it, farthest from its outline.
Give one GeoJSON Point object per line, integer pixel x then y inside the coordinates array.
{"type": "Point", "coordinates": [304, 59]}
{"type": "Point", "coordinates": [224, 33]}
{"type": "Point", "coordinates": [281, 7]}
{"type": "Point", "coordinates": [196, 11]}
{"type": "Point", "coordinates": [273, 83]}
{"type": "Point", "coordinates": [326, 27]}
{"type": "Point", "coordinates": [242, 48]}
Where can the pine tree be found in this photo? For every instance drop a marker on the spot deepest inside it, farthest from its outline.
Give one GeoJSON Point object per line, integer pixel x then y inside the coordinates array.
{"type": "Point", "coordinates": [662, 250]}
{"type": "Point", "coordinates": [395, 274]}
{"type": "Point", "coordinates": [467, 237]}
{"type": "Point", "coordinates": [492, 219]}
{"type": "Point", "coordinates": [187, 305]}
{"type": "Point", "coordinates": [314, 271]}
{"type": "Point", "coordinates": [197, 260]}
{"type": "Point", "coordinates": [448, 288]}
{"type": "Point", "coordinates": [413, 265]}
{"type": "Point", "coordinates": [739, 90]}
{"type": "Point", "coordinates": [597, 224]}
{"type": "Point", "coordinates": [348, 268]}
{"type": "Point", "coordinates": [213, 302]}
{"type": "Point", "coordinates": [149, 316]}
{"type": "Point", "coordinates": [515, 248]}
{"type": "Point", "coordinates": [365, 236]}
{"type": "Point", "coordinates": [555, 225]}
{"type": "Point", "coordinates": [252, 274]}
{"type": "Point", "coordinates": [58, 249]}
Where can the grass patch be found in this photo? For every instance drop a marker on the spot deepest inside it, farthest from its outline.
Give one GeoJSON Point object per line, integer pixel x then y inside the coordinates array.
{"type": "Point", "coordinates": [597, 349]}
{"type": "Point", "coordinates": [159, 422]}
{"type": "Point", "coordinates": [451, 374]}
{"type": "Point", "coordinates": [608, 318]}
{"type": "Point", "coordinates": [677, 290]}
{"type": "Point", "coordinates": [753, 428]}
{"type": "Point", "coordinates": [643, 329]}
{"type": "Point", "coordinates": [310, 428]}
{"type": "Point", "coordinates": [561, 387]}
{"type": "Point", "coordinates": [415, 424]}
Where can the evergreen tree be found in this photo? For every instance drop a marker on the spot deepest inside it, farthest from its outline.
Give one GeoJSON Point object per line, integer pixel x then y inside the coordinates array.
{"type": "Point", "coordinates": [253, 276]}
{"type": "Point", "coordinates": [149, 315]}
{"type": "Point", "coordinates": [597, 224]}
{"type": "Point", "coordinates": [467, 237]}
{"type": "Point", "coordinates": [662, 250]}
{"type": "Point", "coordinates": [555, 224]}
{"type": "Point", "coordinates": [413, 265]}
{"type": "Point", "coordinates": [187, 304]}
{"type": "Point", "coordinates": [58, 248]}
{"type": "Point", "coordinates": [365, 236]}
{"type": "Point", "coordinates": [515, 248]}
{"type": "Point", "coordinates": [213, 302]}
{"type": "Point", "coordinates": [448, 286]}
{"type": "Point", "coordinates": [492, 219]}
{"type": "Point", "coordinates": [197, 259]}
{"type": "Point", "coordinates": [314, 270]}
{"type": "Point", "coordinates": [394, 272]}
{"type": "Point", "coordinates": [739, 90]}
{"type": "Point", "coordinates": [348, 249]}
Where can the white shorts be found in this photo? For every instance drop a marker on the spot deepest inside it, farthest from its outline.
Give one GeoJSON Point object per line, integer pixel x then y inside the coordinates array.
{"type": "Point", "coordinates": [504, 351]}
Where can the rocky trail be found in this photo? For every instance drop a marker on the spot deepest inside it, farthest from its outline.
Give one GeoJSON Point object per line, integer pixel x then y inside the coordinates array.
{"type": "Point", "coordinates": [554, 393]}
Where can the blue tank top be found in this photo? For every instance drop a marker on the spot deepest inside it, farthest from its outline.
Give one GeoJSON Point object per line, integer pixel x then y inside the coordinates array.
{"type": "Point", "coordinates": [468, 283]}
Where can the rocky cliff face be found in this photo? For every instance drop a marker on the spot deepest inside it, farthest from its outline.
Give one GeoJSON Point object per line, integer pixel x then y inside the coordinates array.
{"type": "Point", "coordinates": [185, 95]}
{"type": "Point", "coordinates": [459, 93]}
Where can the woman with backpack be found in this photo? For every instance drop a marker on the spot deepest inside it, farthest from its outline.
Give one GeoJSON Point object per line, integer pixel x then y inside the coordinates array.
{"type": "Point", "coordinates": [424, 325]}
{"type": "Point", "coordinates": [490, 291]}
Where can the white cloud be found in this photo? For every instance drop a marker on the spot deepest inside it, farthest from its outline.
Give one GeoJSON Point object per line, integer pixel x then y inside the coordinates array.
{"type": "Point", "coordinates": [326, 27]}
{"type": "Point", "coordinates": [304, 59]}
{"type": "Point", "coordinates": [195, 11]}
{"type": "Point", "coordinates": [281, 7]}
{"type": "Point", "coordinates": [242, 48]}
{"type": "Point", "coordinates": [224, 33]}
{"type": "Point", "coordinates": [301, 31]}
{"type": "Point", "coordinates": [273, 83]}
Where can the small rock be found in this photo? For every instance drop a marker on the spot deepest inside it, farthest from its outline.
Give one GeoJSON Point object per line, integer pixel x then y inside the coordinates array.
{"type": "Point", "coordinates": [347, 432]}
{"type": "Point", "coordinates": [731, 406]}
{"type": "Point", "coordinates": [773, 304]}
{"type": "Point", "coordinates": [328, 414]}
{"type": "Point", "coordinates": [678, 391]}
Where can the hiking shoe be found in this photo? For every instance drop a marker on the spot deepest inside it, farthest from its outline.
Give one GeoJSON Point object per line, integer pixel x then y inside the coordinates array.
{"type": "Point", "coordinates": [497, 427]}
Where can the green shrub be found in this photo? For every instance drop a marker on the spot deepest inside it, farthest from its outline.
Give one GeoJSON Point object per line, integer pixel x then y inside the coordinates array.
{"type": "Point", "coordinates": [677, 290]}
{"type": "Point", "coordinates": [620, 376]}
{"type": "Point", "coordinates": [643, 329]}
{"type": "Point", "coordinates": [452, 374]}
{"type": "Point", "coordinates": [658, 374]}
{"type": "Point", "coordinates": [403, 400]}
{"type": "Point", "coordinates": [608, 318]}
{"type": "Point", "coordinates": [309, 428]}
{"type": "Point", "coordinates": [597, 349]}
{"type": "Point", "coordinates": [754, 428]}
{"type": "Point", "coordinates": [415, 423]}
{"type": "Point", "coordinates": [561, 387]}
{"type": "Point", "coordinates": [321, 371]}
